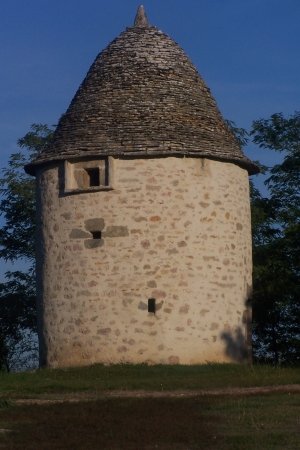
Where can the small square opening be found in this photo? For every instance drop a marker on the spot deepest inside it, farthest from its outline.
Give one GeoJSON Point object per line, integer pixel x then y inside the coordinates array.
{"type": "Point", "coordinates": [93, 176]}
{"type": "Point", "coordinates": [151, 305]}
{"type": "Point", "coordinates": [96, 234]}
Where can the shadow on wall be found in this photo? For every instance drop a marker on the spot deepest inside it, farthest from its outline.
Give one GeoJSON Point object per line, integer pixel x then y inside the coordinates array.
{"type": "Point", "coordinates": [238, 341]}
{"type": "Point", "coordinates": [235, 345]}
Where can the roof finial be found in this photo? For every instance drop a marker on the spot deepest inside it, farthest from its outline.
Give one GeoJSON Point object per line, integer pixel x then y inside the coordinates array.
{"type": "Point", "coordinates": [141, 19]}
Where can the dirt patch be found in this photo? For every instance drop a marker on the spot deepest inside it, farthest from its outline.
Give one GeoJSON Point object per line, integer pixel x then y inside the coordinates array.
{"type": "Point", "coordinates": [92, 396]}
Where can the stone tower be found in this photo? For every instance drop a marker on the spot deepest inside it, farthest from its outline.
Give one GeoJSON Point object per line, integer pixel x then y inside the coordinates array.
{"type": "Point", "coordinates": [143, 243]}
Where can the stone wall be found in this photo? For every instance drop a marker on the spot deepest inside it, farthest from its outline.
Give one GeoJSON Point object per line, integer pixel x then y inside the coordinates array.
{"type": "Point", "coordinates": [174, 229]}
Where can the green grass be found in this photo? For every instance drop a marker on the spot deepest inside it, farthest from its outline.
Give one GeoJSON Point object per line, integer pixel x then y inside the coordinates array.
{"type": "Point", "coordinates": [266, 422]}
{"type": "Point", "coordinates": [259, 422]}
{"type": "Point", "coordinates": [269, 422]}
{"type": "Point", "coordinates": [142, 377]}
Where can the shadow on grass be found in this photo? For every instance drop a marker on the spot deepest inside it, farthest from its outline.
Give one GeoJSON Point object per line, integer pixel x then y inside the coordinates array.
{"type": "Point", "coordinates": [110, 424]}
{"type": "Point", "coordinates": [269, 422]}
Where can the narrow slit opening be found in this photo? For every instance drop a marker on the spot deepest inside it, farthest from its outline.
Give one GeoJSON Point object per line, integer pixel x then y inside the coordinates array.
{"type": "Point", "coordinates": [151, 305]}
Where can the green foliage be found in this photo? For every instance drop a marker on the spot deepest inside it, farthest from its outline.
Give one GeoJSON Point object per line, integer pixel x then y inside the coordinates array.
{"type": "Point", "coordinates": [18, 309]}
{"type": "Point", "coordinates": [17, 319]}
{"type": "Point", "coordinates": [17, 204]}
{"type": "Point", "coordinates": [276, 250]}
{"type": "Point", "coordinates": [17, 234]}
{"type": "Point", "coordinates": [283, 135]}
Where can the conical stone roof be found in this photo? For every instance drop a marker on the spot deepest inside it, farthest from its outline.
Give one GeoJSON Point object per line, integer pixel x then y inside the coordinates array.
{"type": "Point", "coordinates": [143, 97]}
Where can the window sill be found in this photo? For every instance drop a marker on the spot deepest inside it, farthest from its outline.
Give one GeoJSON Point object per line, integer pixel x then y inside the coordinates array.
{"type": "Point", "coordinates": [89, 189]}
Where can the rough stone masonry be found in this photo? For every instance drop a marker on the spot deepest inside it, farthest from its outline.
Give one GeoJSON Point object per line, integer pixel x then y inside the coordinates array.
{"type": "Point", "coordinates": [144, 240]}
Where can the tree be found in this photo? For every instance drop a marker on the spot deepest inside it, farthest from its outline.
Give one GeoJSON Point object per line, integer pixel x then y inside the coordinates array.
{"type": "Point", "coordinates": [17, 208]}
{"type": "Point", "coordinates": [17, 318]}
{"type": "Point", "coordinates": [276, 250]}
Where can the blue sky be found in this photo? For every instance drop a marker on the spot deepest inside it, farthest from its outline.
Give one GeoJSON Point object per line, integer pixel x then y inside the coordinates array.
{"type": "Point", "coordinates": [246, 50]}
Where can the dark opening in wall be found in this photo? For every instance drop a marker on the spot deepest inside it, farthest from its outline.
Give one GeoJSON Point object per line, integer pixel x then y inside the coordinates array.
{"type": "Point", "coordinates": [96, 234]}
{"type": "Point", "coordinates": [151, 305]}
{"type": "Point", "coordinates": [93, 176]}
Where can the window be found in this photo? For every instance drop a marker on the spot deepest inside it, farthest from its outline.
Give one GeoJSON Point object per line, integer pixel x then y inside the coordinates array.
{"type": "Point", "coordinates": [87, 175]}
